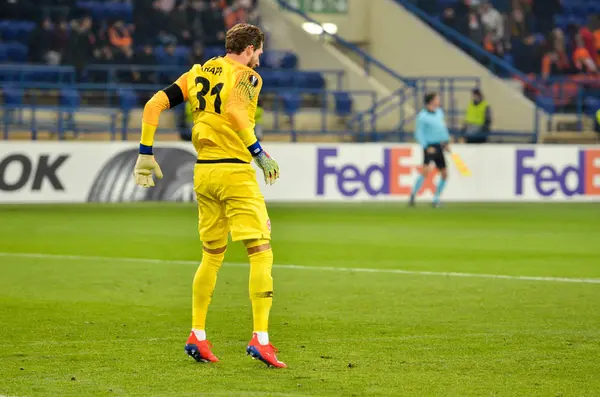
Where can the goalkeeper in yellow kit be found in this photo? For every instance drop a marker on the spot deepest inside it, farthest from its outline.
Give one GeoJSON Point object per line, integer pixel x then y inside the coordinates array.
{"type": "Point", "coordinates": [223, 94]}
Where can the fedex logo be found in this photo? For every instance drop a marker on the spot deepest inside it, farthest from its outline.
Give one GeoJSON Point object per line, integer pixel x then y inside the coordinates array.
{"type": "Point", "coordinates": [582, 178]}
{"type": "Point", "coordinates": [390, 176]}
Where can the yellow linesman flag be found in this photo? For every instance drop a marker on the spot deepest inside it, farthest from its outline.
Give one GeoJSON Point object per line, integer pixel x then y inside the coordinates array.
{"type": "Point", "coordinates": [461, 166]}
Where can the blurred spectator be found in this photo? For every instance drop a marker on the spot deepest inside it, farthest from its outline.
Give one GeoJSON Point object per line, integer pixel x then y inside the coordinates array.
{"type": "Point", "coordinates": [238, 12]}
{"type": "Point", "coordinates": [145, 57]}
{"type": "Point", "coordinates": [124, 56]}
{"type": "Point", "coordinates": [165, 6]}
{"type": "Point", "coordinates": [165, 38]}
{"type": "Point", "coordinates": [589, 41]}
{"type": "Point", "coordinates": [120, 35]}
{"type": "Point", "coordinates": [545, 11]}
{"type": "Point", "coordinates": [518, 28]}
{"type": "Point", "coordinates": [457, 17]}
{"type": "Point", "coordinates": [476, 30]}
{"type": "Point", "coordinates": [169, 59]}
{"type": "Point", "coordinates": [40, 44]}
{"type": "Point", "coordinates": [555, 60]}
{"type": "Point", "coordinates": [478, 120]}
{"type": "Point", "coordinates": [179, 24]}
{"type": "Point", "coordinates": [103, 55]}
{"type": "Point", "coordinates": [213, 24]}
{"type": "Point", "coordinates": [493, 23]}
{"type": "Point", "coordinates": [528, 54]}
{"type": "Point", "coordinates": [144, 19]}
{"type": "Point", "coordinates": [524, 5]}
{"type": "Point", "coordinates": [60, 38]}
{"type": "Point", "coordinates": [595, 25]}
{"type": "Point", "coordinates": [196, 17]}
{"type": "Point", "coordinates": [81, 44]}
{"type": "Point", "coordinates": [582, 58]}
{"type": "Point", "coordinates": [15, 9]}
{"type": "Point", "coordinates": [197, 54]}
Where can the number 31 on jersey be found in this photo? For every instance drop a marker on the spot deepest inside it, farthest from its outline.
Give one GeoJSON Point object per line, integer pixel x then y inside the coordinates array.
{"type": "Point", "coordinates": [204, 89]}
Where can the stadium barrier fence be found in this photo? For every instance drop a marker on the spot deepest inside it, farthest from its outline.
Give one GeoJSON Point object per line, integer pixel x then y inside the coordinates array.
{"type": "Point", "coordinates": [38, 172]}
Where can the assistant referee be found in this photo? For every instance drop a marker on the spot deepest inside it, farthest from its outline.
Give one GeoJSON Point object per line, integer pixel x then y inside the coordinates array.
{"type": "Point", "coordinates": [432, 134]}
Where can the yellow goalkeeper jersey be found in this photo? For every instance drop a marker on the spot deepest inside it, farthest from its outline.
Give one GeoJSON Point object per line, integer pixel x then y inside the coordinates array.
{"type": "Point", "coordinates": [223, 95]}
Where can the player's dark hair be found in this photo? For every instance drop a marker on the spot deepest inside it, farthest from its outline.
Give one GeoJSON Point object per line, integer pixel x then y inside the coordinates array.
{"type": "Point", "coordinates": [241, 36]}
{"type": "Point", "coordinates": [429, 97]}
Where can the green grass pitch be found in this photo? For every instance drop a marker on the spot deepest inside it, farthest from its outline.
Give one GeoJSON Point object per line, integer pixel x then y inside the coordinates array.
{"type": "Point", "coordinates": [80, 320]}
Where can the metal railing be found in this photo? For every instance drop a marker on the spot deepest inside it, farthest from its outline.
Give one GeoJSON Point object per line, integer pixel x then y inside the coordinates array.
{"type": "Point", "coordinates": [411, 95]}
{"type": "Point", "coordinates": [365, 121]}
{"type": "Point", "coordinates": [117, 101]}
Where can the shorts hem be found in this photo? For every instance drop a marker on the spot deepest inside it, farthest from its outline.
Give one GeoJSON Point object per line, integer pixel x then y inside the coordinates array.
{"type": "Point", "coordinates": [252, 236]}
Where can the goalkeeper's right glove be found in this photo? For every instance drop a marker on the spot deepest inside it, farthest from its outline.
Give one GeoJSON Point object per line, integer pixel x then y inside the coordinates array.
{"type": "Point", "coordinates": [269, 167]}
{"type": "Point", "coordinates": [144, 166]}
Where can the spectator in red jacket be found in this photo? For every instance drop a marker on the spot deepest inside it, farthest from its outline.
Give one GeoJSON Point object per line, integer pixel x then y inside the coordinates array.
{"type": "Point", "coordinates": [589, 41]}
{"type": "Point", "coordinates": [582, 58]}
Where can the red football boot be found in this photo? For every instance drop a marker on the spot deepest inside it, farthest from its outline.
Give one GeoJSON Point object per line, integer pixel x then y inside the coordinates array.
{"type": "Point", "coordinates": [264, 353]}
{"type": "Point", "coordinates": [199, 350]}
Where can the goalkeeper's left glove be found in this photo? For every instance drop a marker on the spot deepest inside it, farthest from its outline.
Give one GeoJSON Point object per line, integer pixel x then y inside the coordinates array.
{"type": "Point", "coordinates": [144, 166]}
{"type": "Point", "coordinates": [269, 167]}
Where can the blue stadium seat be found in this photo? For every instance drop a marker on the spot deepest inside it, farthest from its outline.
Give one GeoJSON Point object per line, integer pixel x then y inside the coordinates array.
{"type": "Point", "coordinates": [561, 21]}
{"type": "Point", "coordinates": [591, 105]}
{"type": "Point", "coordinates": [122, 11]}
{"type": "Point", "coordinates": [25, 29]}
{"type": "Point", "coordinates": [69, 97]}
{"type": "Point", "coordinates": [97, 10]}
{"type": "Point", "coordinates": [289, 61]}
{"type": "Point", "coordinates": [312, 80]}
{"type": "Point", "coordinates": [545, 103]}
{"type": "Point", "coordinates": [284, 79]}
{"type": "Point", "coordinates": [16, 30]}
{"type": "Point", "coordinates": [16, 52]}
{"type": "Point", "coordinates": [211, 52]}
{"type": "Point", "coordinates": [181, 54]}
{"type": "Point", "coordinates": [269, 79]}
{"type": "Point", "coordinates": [269, 60]}
{"type": "Point", "coordinates": [12, 96]}
{"type": "Point", "coordinates": [127, 99]}
{"type": "Point", "coordinates": [291, 102]}
{"type": "Point", "coordinates": [343, 103]}
{"type": "Point", "coordinates": [279, 60]}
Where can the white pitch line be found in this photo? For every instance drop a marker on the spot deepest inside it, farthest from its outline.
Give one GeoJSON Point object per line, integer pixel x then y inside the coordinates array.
{"type": "Point", "coordinates": [300, 267]}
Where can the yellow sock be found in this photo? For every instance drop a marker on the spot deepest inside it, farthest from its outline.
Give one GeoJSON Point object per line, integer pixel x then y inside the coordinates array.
{"type": "Point", "coordinates": [261, 288]}
{"type": "Point", "coordinates": [203, 287]}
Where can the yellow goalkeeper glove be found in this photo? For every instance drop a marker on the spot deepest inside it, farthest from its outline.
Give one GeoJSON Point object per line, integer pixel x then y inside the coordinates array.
{"type": "Point", "coordinates": [144, 166]}
{"type": "Point", "coordinates": [269, 167]}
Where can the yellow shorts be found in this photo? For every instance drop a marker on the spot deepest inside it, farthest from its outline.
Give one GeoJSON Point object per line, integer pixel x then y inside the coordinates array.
{"type": "Point", "coordinates": [230, 201]}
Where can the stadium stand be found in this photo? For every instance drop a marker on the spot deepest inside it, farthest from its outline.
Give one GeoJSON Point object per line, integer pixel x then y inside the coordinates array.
{"type": "Point", "coordinates": [114, 54]}
{"type": "Point", "coordinates": [554, 43]}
